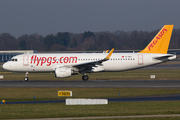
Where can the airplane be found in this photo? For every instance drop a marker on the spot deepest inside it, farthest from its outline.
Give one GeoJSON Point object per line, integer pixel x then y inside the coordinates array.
{"type": "Point", "coordinates": [68, 64]}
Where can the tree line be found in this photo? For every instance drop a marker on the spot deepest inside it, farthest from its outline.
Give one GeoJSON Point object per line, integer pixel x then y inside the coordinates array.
{"type": "Point", "coordinates": [65, 41]}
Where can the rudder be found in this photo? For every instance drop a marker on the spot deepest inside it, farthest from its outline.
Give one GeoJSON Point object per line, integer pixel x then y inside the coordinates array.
{"type": "Point", "coordinates": [160, 43]}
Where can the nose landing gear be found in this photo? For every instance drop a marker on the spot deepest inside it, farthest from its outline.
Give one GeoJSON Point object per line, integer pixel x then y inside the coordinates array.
{"type": "Point", "coordinates": [26, 77]}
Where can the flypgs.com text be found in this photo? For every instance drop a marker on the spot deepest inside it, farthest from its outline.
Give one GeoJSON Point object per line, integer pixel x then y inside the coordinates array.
{"type": "Point", "coordinates": [52, 60]}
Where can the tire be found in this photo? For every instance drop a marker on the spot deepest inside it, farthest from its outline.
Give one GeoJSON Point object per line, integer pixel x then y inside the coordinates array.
{"type": "Point", "coordinates": [85, 77]}
{"type": "Point", "coordinates": [26, 79]}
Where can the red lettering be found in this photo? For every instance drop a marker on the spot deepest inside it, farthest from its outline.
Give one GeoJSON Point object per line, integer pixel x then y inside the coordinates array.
{"type": "Point", "coordinates": [49, 59]}
{"type": "Point", "coordinates": [155, 41]}
{"type": "Point", "coordinates": [54, 60]}
{"type": "Point", "coordinates": [35, 59]}
{"type": "Point", "coordinates": [164, 30]}
{"type": "Point", "coordinates": [149, 47]}
{"type": "Point", "coordinates": [66, 59]}
{"type": "Point", "coordinates": [157, 38]}
{"type": "Point", "coordinates": [73, 59]}
{"type": "Point", "coordinates": [60, 60]}
{"type": "Point", "coordinates": [160, 34]}
{"type": "Point", "coordinates": [38, 60]}
{"type": "Point", "coordinates": [32, 58]}
{"type": "Point", "coordinates": [43, 60]}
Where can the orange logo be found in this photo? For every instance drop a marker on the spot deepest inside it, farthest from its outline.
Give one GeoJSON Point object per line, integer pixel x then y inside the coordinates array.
{"type": "Point", "coordinates": [157, 38]}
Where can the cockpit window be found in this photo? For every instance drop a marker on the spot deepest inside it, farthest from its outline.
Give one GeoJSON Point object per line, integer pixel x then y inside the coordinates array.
{"type": "Point", "coordinates": [14, 59]}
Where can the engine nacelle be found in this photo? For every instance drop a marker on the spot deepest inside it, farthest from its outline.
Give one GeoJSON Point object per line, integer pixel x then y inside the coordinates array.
{"type": "Point", "coordinates": [62, 72]}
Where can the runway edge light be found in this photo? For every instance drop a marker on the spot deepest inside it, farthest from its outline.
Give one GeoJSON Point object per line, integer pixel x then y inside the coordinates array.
{"type": "Point", "coordinates": [3, 102]}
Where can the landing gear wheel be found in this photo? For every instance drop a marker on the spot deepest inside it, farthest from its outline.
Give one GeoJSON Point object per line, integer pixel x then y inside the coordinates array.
{"type": "Point", "coordinates": [85, 77]}
{"type": "Point", "coordinates": [26, 79]}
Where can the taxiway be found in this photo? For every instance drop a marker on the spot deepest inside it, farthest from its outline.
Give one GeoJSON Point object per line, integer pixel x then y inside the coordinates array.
{"type": "Point", "coordinates": [94, 84]}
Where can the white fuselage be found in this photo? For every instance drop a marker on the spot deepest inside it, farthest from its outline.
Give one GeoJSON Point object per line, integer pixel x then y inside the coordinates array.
{"type": "Point", "coordinates": [48, 62]}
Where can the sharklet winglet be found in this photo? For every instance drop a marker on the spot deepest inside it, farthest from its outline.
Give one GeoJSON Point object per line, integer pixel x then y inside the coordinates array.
{"type": "Point", "coordinates": [107, 51]}
{"type": "Point", "coordinates": [109, 55]}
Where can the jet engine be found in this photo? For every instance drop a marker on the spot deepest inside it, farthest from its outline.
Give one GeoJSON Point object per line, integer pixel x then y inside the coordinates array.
{"type": "Point", "coordinates": [62, 72]}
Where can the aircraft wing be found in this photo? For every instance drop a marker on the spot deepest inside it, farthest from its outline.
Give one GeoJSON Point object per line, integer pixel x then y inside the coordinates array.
{"type": "Point", "coordinates": [89, 65]}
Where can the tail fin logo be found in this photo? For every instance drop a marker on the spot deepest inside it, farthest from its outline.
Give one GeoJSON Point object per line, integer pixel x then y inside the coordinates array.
{"type": "Point", "coordinates": [157, 38]}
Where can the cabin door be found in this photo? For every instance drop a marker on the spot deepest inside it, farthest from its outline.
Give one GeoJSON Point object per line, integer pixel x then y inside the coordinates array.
{"type": "Point", "coordinates": [25, 60]}
{"type": "Point", "coordinates": [140, 59]}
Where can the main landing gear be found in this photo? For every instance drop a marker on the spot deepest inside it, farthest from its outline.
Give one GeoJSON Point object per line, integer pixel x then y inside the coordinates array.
{"type": "Point", "coordinates": [85, 77]}
{"type": "Point", "coordinates": [26, 77]}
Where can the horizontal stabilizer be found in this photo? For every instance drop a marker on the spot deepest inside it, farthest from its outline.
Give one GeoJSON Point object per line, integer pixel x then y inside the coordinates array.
{"type": "Point", "coordinates": [165, 58]}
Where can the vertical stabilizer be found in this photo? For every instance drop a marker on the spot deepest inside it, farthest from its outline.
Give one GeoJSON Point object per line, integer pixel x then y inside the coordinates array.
{"type": "Point", "coordinates": [160, 43]}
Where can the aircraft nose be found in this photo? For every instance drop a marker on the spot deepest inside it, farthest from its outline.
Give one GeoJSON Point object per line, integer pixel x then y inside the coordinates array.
{"type": "Point", "coordinates": [5, 66]}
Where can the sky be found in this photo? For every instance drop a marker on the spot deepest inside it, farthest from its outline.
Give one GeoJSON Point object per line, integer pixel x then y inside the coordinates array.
{"type": "Point", "coordinates": [19, 17]}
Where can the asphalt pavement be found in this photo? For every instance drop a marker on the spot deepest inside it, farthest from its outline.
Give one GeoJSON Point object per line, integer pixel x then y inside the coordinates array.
{"type": "Point", "coordinates": [93, 84]}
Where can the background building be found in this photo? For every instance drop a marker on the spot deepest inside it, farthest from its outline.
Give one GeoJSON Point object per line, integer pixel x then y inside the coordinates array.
{"type": "Point", "coordinates": [7, 55]}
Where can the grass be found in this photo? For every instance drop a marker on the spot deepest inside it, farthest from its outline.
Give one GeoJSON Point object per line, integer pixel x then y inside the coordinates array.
{"type": "Point", "coordinates": [146, 118]}
{"type": "Point", "coordinates": [27, 94]}
{"type": "Point", "coordinates": [56, 110]}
